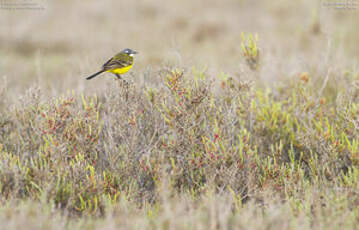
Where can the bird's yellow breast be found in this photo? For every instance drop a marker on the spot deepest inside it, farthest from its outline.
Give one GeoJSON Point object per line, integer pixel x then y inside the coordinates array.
{"type": "Point", "coordinates": [120, 70]}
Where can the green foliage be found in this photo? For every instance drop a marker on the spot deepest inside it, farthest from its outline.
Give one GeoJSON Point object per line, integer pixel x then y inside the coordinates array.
{"type": "Point", "coordinates": [250, 50]}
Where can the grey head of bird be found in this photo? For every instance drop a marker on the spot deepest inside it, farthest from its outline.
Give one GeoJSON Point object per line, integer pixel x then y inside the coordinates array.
{"type": "Point", "coordinates": [129, 52]}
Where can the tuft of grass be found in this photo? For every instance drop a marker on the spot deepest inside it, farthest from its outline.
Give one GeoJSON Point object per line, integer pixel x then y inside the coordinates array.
{"type": "Point", "coordinates": [250, 50]}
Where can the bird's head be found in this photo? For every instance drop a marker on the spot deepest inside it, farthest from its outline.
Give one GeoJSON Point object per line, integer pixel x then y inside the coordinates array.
{"type": "Point", "coordinates": [129, 52]}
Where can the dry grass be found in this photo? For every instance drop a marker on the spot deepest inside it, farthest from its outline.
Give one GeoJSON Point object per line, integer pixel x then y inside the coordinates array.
{"type": "Point", "coordinates": [213, 129]}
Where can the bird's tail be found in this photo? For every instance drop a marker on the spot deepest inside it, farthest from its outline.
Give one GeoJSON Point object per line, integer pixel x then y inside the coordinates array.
{"type": "Point", "coordinates": [95, 74]}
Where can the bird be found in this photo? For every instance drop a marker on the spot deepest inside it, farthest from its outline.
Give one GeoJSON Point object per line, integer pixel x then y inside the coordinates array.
{"type": "Point", "coordinates": [119, 64]}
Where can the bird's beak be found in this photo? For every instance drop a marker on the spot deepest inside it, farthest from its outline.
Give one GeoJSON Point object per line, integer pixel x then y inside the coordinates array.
{"type": "Point", "coordinates": [134, 52]}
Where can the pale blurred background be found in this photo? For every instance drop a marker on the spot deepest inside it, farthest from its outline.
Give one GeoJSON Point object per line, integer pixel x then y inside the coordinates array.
{"type": "Point", "coordinates": [57, 47]}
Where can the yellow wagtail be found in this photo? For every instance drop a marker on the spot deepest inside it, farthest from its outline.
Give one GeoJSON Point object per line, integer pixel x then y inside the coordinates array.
{"type": "Point", "coordinates": [121, 63]}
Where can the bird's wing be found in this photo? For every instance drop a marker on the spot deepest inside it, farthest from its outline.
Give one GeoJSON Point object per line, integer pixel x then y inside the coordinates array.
{"type": "Point", "coordinates": [117, 62]}
{"type": "Point", "coordinates": [104, 65]}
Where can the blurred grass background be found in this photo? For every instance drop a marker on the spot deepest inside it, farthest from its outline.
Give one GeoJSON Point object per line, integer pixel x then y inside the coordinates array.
{"type": "Point", "coordinates": [57, 47]}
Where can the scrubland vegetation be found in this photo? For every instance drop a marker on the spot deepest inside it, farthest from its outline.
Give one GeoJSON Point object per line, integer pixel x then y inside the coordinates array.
{"type": "Point", "coordinates": [190, 153]}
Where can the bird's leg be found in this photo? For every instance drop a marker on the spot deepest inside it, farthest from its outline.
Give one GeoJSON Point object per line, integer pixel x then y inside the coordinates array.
{"type": "Point", "coordinates": [120, 78]}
